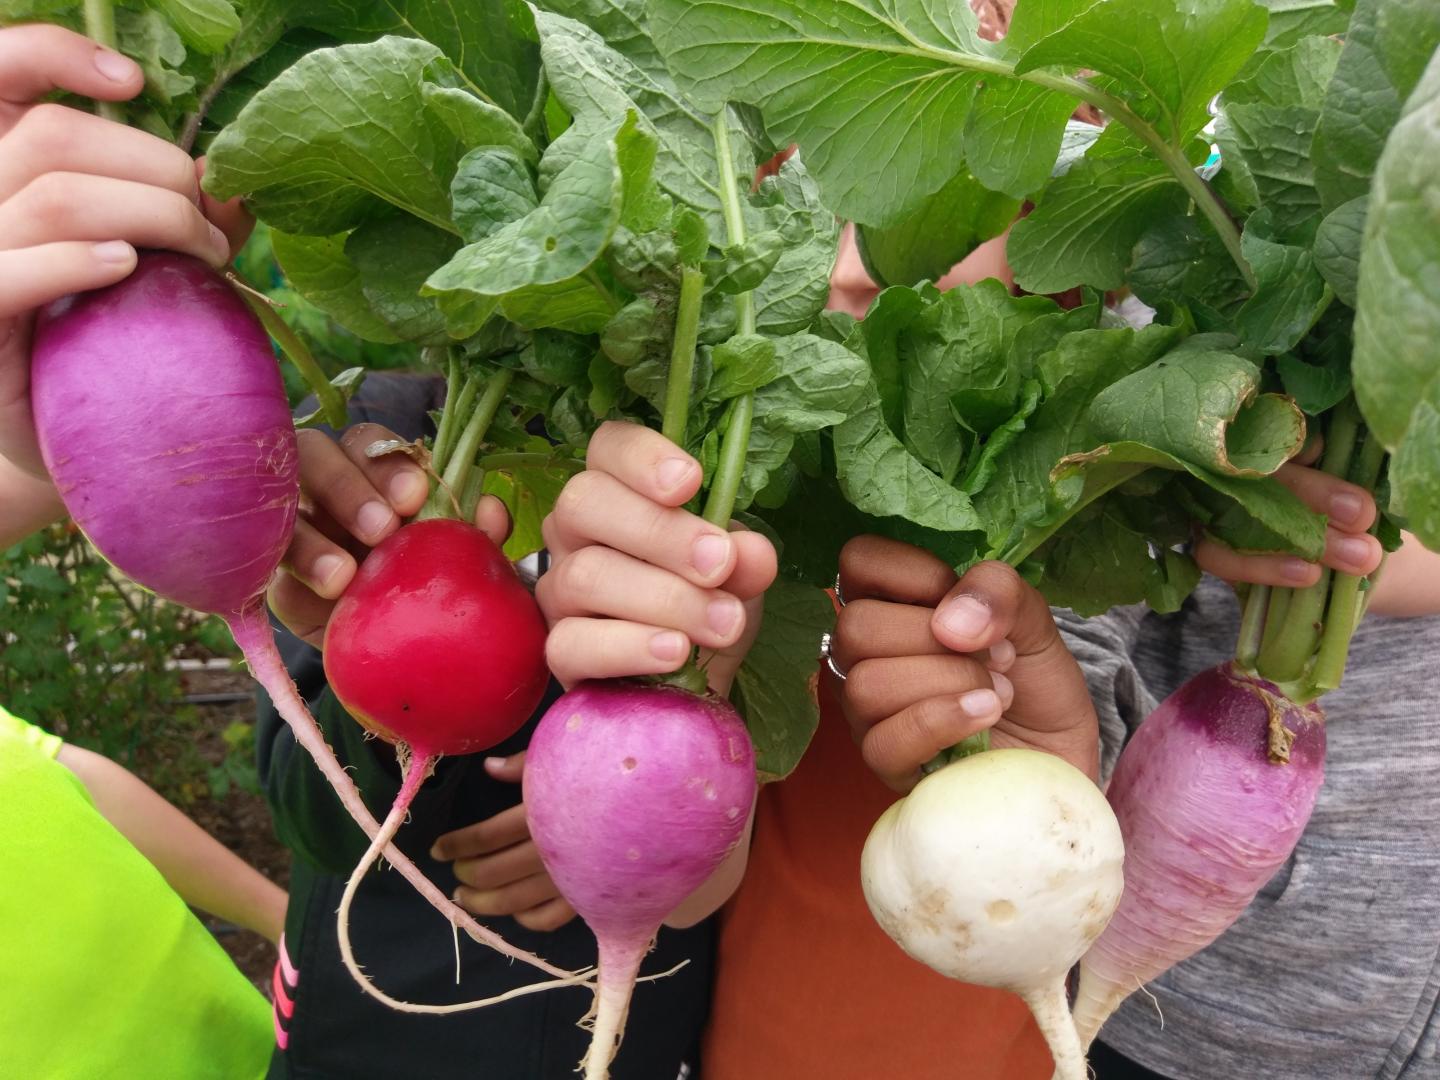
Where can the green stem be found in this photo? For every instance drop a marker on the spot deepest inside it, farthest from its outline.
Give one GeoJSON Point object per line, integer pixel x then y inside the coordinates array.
{"type": "Point", "coordinates": [1275, 616]}
{"type": "Point", "coordinates": [1346, 597]}
{"type": "Point", "coordinates": [100, 28]}
{"type": "Point", "coordinates": [458, 406]}
{"type": "Point", "coordinates": [725, 484]}
{"type": "Point", "coordinates": [610, 299]}
{"type": "Point", "coordinates": [1252, 626]}
{"type": "Point", "coordinates": [682, 357]}
{"type": "Point", "coordinates": [534, 122]}
{"type": "Point", "coordinates": [456, 474]}
{"type": "Point", "coordinates": [332, 402]}
{"type": "Point", "coordinates": [1284, 657]}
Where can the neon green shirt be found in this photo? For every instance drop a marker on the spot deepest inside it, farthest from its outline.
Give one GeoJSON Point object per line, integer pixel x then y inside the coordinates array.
{"type": "Point", "coordinates": [105, 974]}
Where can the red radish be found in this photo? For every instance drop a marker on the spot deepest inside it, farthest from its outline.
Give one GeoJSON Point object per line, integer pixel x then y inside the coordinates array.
{"type": "Point", "coordinates": [635, 794]}
{"type": "Point", "coordinates": [436, 647]}
{"type": "Point", "coordinates": [1212, 794]}
{"type": "Point", "coordinates": [162, 417]}
{"type": "Point", "coordinates": [436, 643]}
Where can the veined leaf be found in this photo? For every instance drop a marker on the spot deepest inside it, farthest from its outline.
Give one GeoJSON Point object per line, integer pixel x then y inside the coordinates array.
{"type": "Point", "coordinates": [206, 25]}
{"type": "Point", "coordinates": [318, 267]}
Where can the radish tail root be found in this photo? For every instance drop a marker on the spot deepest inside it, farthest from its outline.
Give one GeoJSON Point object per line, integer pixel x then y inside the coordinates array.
{"type": "Point", "coordinates": [618, 968]}
{"type": "Point", "coordinates": [417, 769]}
{"type": "Point", "coordinates": [251, 630]}
{"type": "Point", "coordinates": [1052, 1014]}
{"type": "Point", "coordinates": [1095, 999]}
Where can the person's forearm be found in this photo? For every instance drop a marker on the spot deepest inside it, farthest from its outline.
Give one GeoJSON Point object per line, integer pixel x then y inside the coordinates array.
{"type": "Point", "coordinates": [204, 872]}
{"type": "Point", "coordinates": [27, 503]}
{"type": "Point", "coordinates": [1409, 582]}
{"type": "Point", "coordinates": [718, 887]}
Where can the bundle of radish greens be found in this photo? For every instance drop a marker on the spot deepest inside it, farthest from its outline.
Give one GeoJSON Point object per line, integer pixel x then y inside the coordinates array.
{"type": "Point", "coordinates": [555, 205]}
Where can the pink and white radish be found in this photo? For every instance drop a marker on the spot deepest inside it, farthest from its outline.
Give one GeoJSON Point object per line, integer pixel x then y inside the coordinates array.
{"type": "Point", "coordinates": [1212, 794]}
{"type": "Point", "coordinates": [1000, 869]}
{"type": "Point", "coordinates": [163, 420]}
{"type": "Point", "coordinates": [635, 794]}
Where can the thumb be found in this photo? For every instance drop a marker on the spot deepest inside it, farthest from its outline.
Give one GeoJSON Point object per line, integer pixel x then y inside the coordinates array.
{"type": "Point", "coordinates": [492, 518]}
{"type": "Point", "coordinates": [990, 602]}
{"type": "Point", "coordinates": [230, 216]}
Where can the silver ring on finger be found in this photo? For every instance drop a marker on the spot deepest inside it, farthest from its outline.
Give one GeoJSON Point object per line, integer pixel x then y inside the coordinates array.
{"type": "Point", "coordinates": [826, 639]}
{"type": "Point", "coordinates": [839, 596]}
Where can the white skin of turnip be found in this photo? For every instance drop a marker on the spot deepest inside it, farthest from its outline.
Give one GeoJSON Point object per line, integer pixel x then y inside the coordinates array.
{"type": "Point", "coordinates": [1000, 869]}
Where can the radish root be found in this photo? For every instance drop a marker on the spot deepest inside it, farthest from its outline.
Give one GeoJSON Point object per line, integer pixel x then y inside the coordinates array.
{"type": "Point", "coordinates": [251, 630]}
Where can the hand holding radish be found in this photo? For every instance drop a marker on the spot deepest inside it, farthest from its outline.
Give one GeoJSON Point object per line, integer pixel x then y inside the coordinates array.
{"type": "Point", "coordinates": [635, 580]}
{"type": "Point", "coordinates": [912, 638]}
{"type": "Point", "coordinates": [349, 503]}
{"type": "Point", "coordinates": [498, 865]}
{"type": "Point", "coordinates": [78, 195]}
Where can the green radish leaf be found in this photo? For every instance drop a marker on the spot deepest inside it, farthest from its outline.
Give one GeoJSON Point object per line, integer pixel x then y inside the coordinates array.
{"type": "Point", "coordinates": [152, 43]}
{"type": "Point", "coordinates": [347, 382]}
{"type": "Point", "coordinates": [555, 358]}
{"type": "Point", "coordinates": [942, 230]}
{"type": "Point", "coordinates": [794, 293]}
{"type": "Point", "coordinates": [873, 93]}
{"type": "Point", "coordinates": [1290, 294]}
{"type": "Point", "coordinates": [1167, 60]}
{"type": "Point", "coordinates": [553, 243]}
{"type": "Point", "coordinates": [819, 384]}
{"type": "Point", "coordinates": [478, 123]}
{"type": "Point", "coordinates": [393, 258]}
{"type": "Point", "coordinates": [1292, 20]}
{"type": "Point", "coordinates": [1316, 388]}
{"type": "Point", "coordinates": [1180, 261]}
{"type": "Point", "coordinates": [492, 187]}
{"type": "Point", "coordinates": [1203, 407]}
{"type": "Point", "coordinates": [1270, 122]}
{"type": "Point", "coordinates": [577, 304]}
{"type": "Point", "coordinates": [320, 270]}
{"type": "Point", "coordinates": [1397, 322]}
{"type": "Point", "coordinates": [490, 42]}
{"type": "Point", "coordinates": [637, 331]}
{"type": "Point", "coordinates": [1337, 248]}
{"type": "Point", "coordinates": [206, 25]}
{"type": "Point", "coordinates": [775, 688]}
{"type": "Point", "coordinates": [743, 364]}
{"type": "Point", "coordinates": [1386, 49]}
{"type": "Point", "coordinates": [621, 23]}
{"type": "Point", "coordinates": [597, 84]}
{"type": "Point", "coordinates": [1088, 220]}
{"type": "Point", "coordinates": [743, 267]}
{"type": "Point", "coordinates": [529, 492]}
{"type": "Point", "coordinates": [375, 143]}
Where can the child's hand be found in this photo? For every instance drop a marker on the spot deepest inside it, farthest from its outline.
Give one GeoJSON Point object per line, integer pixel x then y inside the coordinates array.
{"type": "Point", "coordinates": [498, 865]}
{"type": "Point", "coordinates": [634, 580]}
{"type": "Point", "coordinates": [348, 504]}
{"type": "Point", "coordinates": [1348, 546]}
{"type": "Point", "coordinates": [931, 660]}
{"type": "Point", "coordinates": [77, 196]}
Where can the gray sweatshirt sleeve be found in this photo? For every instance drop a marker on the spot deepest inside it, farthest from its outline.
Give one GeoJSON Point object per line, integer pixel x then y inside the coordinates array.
{"type": "Point", "coordinates": [1105, 648]}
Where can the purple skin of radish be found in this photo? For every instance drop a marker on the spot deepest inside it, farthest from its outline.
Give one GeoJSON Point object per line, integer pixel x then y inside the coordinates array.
{"type": "Point", "coordinates": [1210, 809]}
{"type": "Point", "coordinates": [163, 421]}
{"type": "Point", "coordinates": [635, 794]}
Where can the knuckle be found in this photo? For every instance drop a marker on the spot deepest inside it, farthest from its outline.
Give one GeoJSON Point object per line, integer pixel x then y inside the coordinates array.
{"type": "Point", "coordinates": [50, 199]}
{"type": "Point", "coordinates": [578, 496]}
{"type": "Point", "coordinates": [578, 573]}
{"type": "Point", "coordinates": [861, 686]}
{"type": "Point", "coordinates": [44, 133]}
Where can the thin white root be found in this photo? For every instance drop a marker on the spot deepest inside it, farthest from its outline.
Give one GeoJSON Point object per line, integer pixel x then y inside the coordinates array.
{"type": "Point", "coordinates": [611, 1007]}
{"type": "Point", "coordinates": [1052, 1014]}
{"type": "Point", "coordinates": [251, 631]}
{"type": "Point", "coordinates": [1095, 999]}
{"type": "Point", "coordinates": [417, 768]}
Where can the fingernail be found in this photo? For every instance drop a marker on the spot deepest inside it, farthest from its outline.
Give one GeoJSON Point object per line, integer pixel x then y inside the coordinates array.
{"type": "Point", "coordinates": [965, 617]}
{"type": "Point", "coordinates": [672, 472]}
{"type": "Point", "coordinates": [1296, 569]}
{"type": "Point", "coordinates": [709, 553]}
{"type": "Point", "coordinates": [668, 646]}
{"type": "Point", "coordinates": [723, 615]}
{"type": "Point", "coordinates": [219, 243]}
{"type": "Point", "coordinates": [1346, 508]}
{"type": "Point", "coordinates": [1004, 689]}
{"type": "Point", "coordinates": [113, 66]}
{"type": "Point", "coordinates": [979, 704]}
{"type": "Point", "coordinates": [113, 251]}
{"type": "Point", "coordinates": [326, 567]}
{"type": "Point", "coordinates": [1351, 550]}
{"type": "Point", "coordinates": [1002, 655]}
{"type": "Point", "coordinates": [408, 485]}
{"type": "Point", "coordinates": [373, 518]}
{"type": "Point", "coordinates": [494, 764]}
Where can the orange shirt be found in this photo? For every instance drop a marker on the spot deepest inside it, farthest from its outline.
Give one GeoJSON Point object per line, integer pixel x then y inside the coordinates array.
{"type": "Point", "coordinates": [808, 987]}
